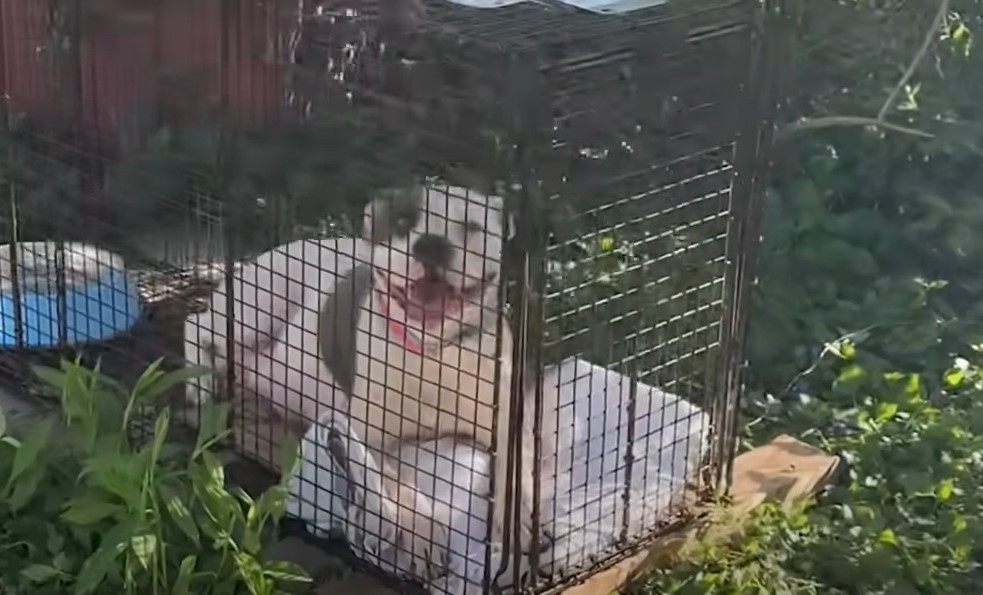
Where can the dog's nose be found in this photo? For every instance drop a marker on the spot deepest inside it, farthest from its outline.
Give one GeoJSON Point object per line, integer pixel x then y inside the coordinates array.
{"type": "Point", "coordinates": [433, 251]}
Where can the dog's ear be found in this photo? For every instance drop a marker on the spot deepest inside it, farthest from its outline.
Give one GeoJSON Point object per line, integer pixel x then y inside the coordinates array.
{"type": "Point", "coordinates": [392, 211]}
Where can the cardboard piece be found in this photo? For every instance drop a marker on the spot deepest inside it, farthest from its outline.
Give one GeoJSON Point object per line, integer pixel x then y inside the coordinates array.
{"type": "Point", "coordinates": [785, 470]}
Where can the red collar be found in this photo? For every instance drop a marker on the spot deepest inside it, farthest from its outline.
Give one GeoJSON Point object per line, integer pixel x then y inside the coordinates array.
{"type": "Point", "coordinates": [407, 338]}
{"type": "Point", "coordinates": [397, 329]}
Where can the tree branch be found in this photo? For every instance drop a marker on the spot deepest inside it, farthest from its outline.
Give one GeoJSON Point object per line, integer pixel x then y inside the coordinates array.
{"type": "Point", "coordinates": [930, 36]}
{"type": "Point", "coordinates": [880, 121]}
{"type": "Point", "coordinates": [844, 121]}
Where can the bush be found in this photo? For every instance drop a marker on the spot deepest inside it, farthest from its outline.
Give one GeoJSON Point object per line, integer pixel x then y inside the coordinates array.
{"type": "Point", "coordinates": [868, 315]}
{"type": "Point", "coordinates": [86, 509]}
{"type": "Point", "coordinates": [909, 518]}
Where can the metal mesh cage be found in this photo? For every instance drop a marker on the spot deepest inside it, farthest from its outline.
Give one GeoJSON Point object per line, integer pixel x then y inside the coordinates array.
{"type": "Point", "coordinates": [488, 266]}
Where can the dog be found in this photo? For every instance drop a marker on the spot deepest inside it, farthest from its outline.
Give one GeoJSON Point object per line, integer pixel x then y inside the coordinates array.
{"type": "Point", "coordinates": [429, 356]}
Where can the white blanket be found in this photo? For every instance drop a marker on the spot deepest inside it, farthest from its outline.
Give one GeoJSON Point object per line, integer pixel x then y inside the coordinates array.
{"type": "Point", "coordinates": [583, 495]}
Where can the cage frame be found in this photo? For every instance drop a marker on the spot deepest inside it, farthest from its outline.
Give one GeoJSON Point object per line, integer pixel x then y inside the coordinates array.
{"type": "Point", "coordinates": [751, 155]}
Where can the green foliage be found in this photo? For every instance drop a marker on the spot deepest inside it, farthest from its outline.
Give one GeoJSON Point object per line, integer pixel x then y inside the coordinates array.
{"type": "Point", "coordinates": [869, 228]}
{"type": "Point", "coordinates": [866, 326]}
{"type": "Point", "coordinates": [908, 518]}
{"type": "Point", "coordinates": [756, 568]}
{"type": "Point", "coordinates": [84, 509]}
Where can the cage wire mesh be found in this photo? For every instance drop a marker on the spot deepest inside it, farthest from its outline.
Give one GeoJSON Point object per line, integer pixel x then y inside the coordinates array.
{"type": "Point", "coordinates": [488, 266]}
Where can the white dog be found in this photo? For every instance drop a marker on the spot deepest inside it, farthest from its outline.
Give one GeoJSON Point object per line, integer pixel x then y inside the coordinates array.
{"type": "Point", "coordinates": [409, 343]}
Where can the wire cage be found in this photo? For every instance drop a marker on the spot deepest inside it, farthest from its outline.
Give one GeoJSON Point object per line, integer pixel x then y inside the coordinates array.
{"type": "Point", "coordinates": [488, 263]}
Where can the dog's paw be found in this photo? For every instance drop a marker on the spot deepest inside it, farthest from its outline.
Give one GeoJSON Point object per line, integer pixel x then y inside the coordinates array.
{"type": "Point", "coordinates": [370, 518]}
{"type": "Point", "coordinates": [380, 527]}
{"type": "Point", "coordinates": [371, 526]}
{"type": "Point", "coordinates": [526, 540]}
{"type": "Point", "coordinates": [523, 540]}
{"type": "Point", "coordinates": [425, 541]}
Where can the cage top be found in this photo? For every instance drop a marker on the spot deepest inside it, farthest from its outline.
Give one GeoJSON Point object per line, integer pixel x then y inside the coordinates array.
{"type": "Point", "coordinates": [595, 6]}
{"type": "Point", "coordinates": [524, 24]}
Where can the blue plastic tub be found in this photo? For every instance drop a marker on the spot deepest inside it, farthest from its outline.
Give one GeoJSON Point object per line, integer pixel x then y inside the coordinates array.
{"type": "Point", "coordinates": [101, 299]}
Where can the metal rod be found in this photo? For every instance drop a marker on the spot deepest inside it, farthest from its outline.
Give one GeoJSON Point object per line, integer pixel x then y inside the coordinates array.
{"type": "Point", "coordinates": [760, 97]}
{"type": "Point", "coordinates": [632, 373]}
{"type": "Point", "coordinates": [495, 446]}
{"type": "Point", "coordinates": [229, 210]}
{"type": "Point", "coordinates": [7, 122]}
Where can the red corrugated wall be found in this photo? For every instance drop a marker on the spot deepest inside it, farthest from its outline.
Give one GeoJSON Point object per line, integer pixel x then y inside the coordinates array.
{"type": "Point", "coordinates": [22, 26]}
{"type": "Point", "coordinates": [164, 64]}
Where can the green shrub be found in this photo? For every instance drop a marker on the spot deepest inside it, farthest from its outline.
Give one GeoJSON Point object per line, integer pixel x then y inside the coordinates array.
{"type": "Point", "coordinates": [86, 509]}
{"type": "Point", "coordinates": [869, 290]}
{"type": "Point", "coordinates": [909, 516]}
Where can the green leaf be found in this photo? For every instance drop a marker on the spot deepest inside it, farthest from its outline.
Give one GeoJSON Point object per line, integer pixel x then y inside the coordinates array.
{"type": "Point", "coordinates": [887, 537]}
{"type": "Point", "coordinates": [147, 379]}
{"type": "Point", "coordinates": [153, 383]}
{"type": "Point", "coordinates": [120, 475]}
{"type": "Point", "coordinates": [273, 502]}
{"type": "Point", "coordinates": [252, 574]}
{"type": "Point", "coordinates": [26, 487]}
{"type": "Point", "coordinates": [214, 425]}
{"type": "Point", "coordinates": [886, 411]}
{"type": "Point", "coordinates": [252, 536]}
{"type": "Point", "coordinates": [286, 572]}
{"type": "Point", "coordinates": [144, 546]}
{"type": "Point", "coordinates": [160, 435]}
{"type": "Point", "coordinates": [850, 374]}
{"type": "Point", "coordinates": [63, 563]}
{"type": "Point", "coordinates": [215, 469]}
{"type": "Point", "coordinates": [954, 378]}
{"type": "Point", "coordinates": [182, 584]}
{"type": "Point", "coordinates": [913, 387]}
{"type": "Point", "coordinates": [30, 449]}
{"type": "Point", "coordinates": [89, 510]}
{"type": "Point", "coordinates": [290, 458]}
{"type": "Point", "coordinates": [944, 491]}
{"type": "Point", "coordinates": [179, 513]}
{"type": "Point", "coordinates": [52, 377]}
{"type": "Point", "coordinates": [98, 565]}
{"type": "Point", "coordinates": [242, 495]}
{"type": "Point", "coordinates": [39, 573]}
{"type": "Point", "coordinates": [220, 506]}
{"type": "Point", "coordinates": [55, 541]}
{"type": "Point", "coordinates": [74, 384]}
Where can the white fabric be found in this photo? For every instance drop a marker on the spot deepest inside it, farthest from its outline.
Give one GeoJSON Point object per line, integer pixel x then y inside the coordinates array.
{"type": "Point", "coordinates": [585, 443]}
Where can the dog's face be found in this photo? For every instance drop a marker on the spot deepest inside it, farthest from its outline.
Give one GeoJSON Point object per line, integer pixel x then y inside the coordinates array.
{"type": "Point", "coordinates": [437, 253]}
